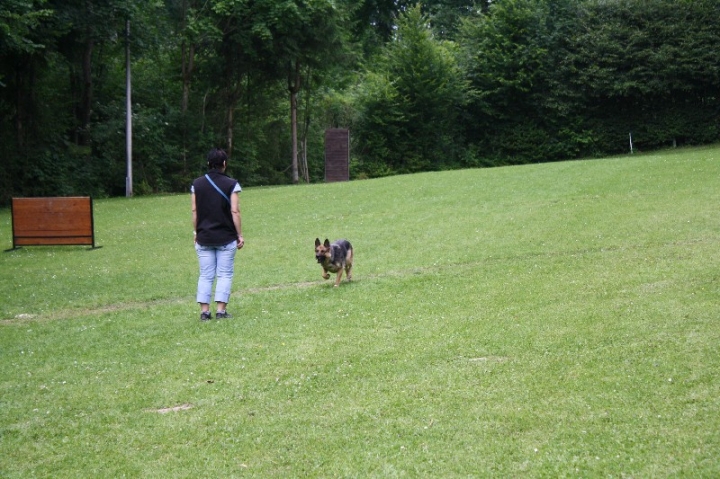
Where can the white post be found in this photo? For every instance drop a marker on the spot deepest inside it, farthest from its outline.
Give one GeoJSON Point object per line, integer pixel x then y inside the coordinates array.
{"type": "Point", "coordinates": [128, 114]}
{"type": "Point", "coordinates": [631, 148]}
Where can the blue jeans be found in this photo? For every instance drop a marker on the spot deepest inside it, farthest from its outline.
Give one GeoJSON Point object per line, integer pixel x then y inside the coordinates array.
{"type": "Point", "coordinates": [216, 261]}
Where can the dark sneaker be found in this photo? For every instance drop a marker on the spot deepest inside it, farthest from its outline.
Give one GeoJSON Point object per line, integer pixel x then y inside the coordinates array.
{"type": "Point", "coordinates": [205, 316]}
{"type": "Point", "coordinates": [223, 315]}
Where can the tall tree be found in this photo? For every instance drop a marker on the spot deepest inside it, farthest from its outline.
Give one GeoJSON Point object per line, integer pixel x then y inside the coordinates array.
{"type": "Point", "coordinates": [83, 26]}
{"type": "Point", "coordinates": [446, 15]}
{"type": "Point", "coordinates": [18, 22]}
{"type": "Point", "coordinates": [22, 46]}
{"type": "Point", "coordinates": [277, 39]}
{"type": "Point", "coordinates": [194, 25]}
{"type": "Point", "coordinates": [420, 89]}
{"type": "Point", "coordinates": [22, 52]}
{"type": "Point", "coordinates": [307, 36]}
{"type": "Point", "coordinates": [649, 67]}
{"type": "Point", "coordinates": [506, 57]}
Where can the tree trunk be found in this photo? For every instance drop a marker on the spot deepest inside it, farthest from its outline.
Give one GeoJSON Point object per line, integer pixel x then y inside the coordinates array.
{"type": "Point", "coordinates": [233, 95]}
{"type": "Point", "coordinates": [24, 78]}
{"type": "Point", "coordinates": [85, 107]}
{"type": "Point", "coordinates": [19, 114]}
{"type": "Point", "coordinates": [304, 169]}
{"type": "Point", "coordinates": [230, 120]}
{"type": "Point", "coordinates": [294, 82]}
{"type": "Point", "coordinates": [188, 64]}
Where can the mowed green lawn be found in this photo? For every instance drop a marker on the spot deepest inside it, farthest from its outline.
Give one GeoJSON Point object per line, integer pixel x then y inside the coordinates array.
{"type": "Point", "coordinates": [554, 320]}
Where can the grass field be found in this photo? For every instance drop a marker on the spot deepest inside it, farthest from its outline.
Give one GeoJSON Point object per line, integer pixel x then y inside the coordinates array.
{"type": "Point", "coordinates": [554, 320]}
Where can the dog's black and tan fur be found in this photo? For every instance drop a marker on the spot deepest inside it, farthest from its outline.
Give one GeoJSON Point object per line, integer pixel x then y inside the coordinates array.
{"type": "Point", "coordinates": [334, 258]}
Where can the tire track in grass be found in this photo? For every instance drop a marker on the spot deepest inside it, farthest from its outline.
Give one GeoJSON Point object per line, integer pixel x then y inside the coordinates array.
{"type": "Point", "coordinates": [135, 305]}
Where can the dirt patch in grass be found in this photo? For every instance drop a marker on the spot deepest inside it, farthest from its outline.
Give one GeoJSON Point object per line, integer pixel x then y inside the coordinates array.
{"type": "Point", "coordinates": [165, 410]}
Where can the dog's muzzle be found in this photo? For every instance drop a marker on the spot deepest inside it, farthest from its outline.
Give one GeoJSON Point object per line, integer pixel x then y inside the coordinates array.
{"type": "Point", "coordinates": [320, 258]}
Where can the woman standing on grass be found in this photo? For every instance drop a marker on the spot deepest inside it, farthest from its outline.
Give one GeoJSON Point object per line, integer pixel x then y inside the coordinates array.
{"type": "Point", "coordinates": [218, 233]}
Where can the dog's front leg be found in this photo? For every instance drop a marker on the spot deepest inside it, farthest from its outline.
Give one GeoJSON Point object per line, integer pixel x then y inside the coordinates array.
{"type": "Point", "coordinates": [325, 274]}
{"type": "Point", "coordinates": [339, 275]}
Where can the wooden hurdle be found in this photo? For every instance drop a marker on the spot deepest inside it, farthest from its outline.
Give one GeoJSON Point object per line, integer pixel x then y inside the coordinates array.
{"type": "Point", "coordinates": [53, 221]}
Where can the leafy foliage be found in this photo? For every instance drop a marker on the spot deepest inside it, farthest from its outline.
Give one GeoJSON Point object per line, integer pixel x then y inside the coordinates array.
{"type": "Point", "coordinates": [411, 108]}
{"type": "Point", "coordinates": [444, 84]}
{"type": "Point", "coordinates": [566, 79]}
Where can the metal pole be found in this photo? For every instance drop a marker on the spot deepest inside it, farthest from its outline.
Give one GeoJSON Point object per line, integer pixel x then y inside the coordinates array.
{"type": "Point", "coordinates": [128, 114]}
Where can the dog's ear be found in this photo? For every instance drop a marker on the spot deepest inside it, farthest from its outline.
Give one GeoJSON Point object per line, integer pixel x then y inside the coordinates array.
{"type": "Point", "coordinates": [317, 242]}
{"type": "Point", "coordinates": [327, 243]}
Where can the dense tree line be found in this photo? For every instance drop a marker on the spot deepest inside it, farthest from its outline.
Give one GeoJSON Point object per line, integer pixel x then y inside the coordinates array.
{"type": "Point", "coordinates": [438, 85]}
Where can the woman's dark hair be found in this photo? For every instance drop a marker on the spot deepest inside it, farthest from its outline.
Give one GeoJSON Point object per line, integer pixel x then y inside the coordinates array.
{"type": "Point", "coordinates": [216, 158]}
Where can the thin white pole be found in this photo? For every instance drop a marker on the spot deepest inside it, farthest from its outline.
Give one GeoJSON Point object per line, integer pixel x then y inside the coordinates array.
{"type": "Point", "coordinates": [128, 113]}
{"type": "Point", "coordinates": [631, 148]}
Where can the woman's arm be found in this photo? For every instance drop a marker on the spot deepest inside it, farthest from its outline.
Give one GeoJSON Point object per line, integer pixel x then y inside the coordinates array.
{"type": "Point", "coordinates": [194, 215]}
{"type": "Point", "coordinates": [235, 209]}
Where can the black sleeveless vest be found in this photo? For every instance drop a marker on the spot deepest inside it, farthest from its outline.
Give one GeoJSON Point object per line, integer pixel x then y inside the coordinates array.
{"type": "Point", "coordinates": [214, 225]}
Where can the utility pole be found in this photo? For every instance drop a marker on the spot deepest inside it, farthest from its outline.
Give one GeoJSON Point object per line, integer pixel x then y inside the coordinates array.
{"type": "Point", "coordinates": [128, 114]}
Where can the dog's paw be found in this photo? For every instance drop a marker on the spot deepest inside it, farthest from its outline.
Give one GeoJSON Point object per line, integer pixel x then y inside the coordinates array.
{"type": "Point", "coordinates": [326, 276]}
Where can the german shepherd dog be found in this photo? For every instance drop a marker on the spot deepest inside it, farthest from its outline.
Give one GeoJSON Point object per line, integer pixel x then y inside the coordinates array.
{"type": "Point", "coordinates": [334, 258]}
